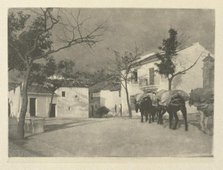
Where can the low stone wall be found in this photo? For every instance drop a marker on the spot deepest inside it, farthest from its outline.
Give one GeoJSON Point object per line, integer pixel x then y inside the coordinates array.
{"type": "Point", "coordinates": [12, 127]}
{"type": "Point", "coordinates": [33, 125]}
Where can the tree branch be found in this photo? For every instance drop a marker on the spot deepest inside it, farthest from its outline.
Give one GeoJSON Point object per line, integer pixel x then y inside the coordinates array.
{"type": "Point", "coordinates": [53, 23]}
{"type": "Point", "coordinates": [183, 71]}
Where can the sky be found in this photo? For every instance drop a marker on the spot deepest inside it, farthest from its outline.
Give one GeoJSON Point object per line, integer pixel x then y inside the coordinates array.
{"type": "Point", "coordinates": [144, 28]}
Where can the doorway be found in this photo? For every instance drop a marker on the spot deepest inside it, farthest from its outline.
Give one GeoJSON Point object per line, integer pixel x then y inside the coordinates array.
{"type": "Point", "coordinates": [92, 111]}
{"type": "Point", "coordinates": [32, 106]}
{"type": "Point", "coordinates": [53, 111]}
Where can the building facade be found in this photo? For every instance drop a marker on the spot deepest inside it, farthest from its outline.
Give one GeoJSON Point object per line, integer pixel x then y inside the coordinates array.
{"type": "Point", "coordinates": [144, 77]}
{"type": "Point", "coordinates": [72, 102]}
{"type": "Point", "coordinates": [38, 102]}
{"type": "Point", "coordinates": [105, 93]}
{"type": "Point", "coordinates": [67, 102]}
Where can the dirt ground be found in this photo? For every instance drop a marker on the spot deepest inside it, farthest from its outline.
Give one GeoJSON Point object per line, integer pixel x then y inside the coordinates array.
{"type": "Point", "coordinates": [121, 137]}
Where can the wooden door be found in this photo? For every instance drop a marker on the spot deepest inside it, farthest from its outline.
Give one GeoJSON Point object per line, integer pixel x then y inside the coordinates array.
{"type": "Point", "coordinates": [53, 110]}
{"type": "Point", "coordinates": [32, 106]}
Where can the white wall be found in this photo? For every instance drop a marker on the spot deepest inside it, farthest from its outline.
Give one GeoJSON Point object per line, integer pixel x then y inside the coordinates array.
{"type": "Point", "coordinates": [15, 101]}
{"type": "Point", "coordinates": [14, 98]}
{"type": "Point", "coordinates": [193, 77]}
{"type": "Point", "coordinates": [74, 104]}
{"type": "Point", "coordinates": [109, 99]}
{"type": "Point", "coordinates": [42, 104]}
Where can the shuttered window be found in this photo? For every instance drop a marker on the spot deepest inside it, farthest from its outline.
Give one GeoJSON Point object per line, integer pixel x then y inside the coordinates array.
{"type": "Point", "coordinates": [151, 76]}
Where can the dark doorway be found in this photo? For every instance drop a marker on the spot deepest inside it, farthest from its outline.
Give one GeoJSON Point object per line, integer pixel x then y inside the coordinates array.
{"type": "Point", "coordinates": [92, 111]}
{"type": "Point", "coordinates": [32, 106]}
{"type": "Point", "coordinates": [53, 110]}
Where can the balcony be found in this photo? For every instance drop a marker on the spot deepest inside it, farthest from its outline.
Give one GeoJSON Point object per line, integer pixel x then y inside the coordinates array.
{"type": "Point", "coordinates": [149, 88]}
{"type": "Point", "coordinates": [146, 87]}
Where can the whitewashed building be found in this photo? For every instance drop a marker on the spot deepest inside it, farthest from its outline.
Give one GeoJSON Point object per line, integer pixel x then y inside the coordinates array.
{"type": "Point", "coordinates": [105, 93]}
{"type": "Point", "coordinates": [38, 101]}
{"type": "Point", "coordinates": [67, 102]}
{"type": "Point", "coordinates": [145, 78]}
{"type": "Point", "coordinates": [72, 102]}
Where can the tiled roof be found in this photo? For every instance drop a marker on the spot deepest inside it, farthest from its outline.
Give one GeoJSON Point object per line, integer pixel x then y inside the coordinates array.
{"type": "Point", "coordinates": [38, 89]}
{"type": "Point", "coordinates": [31, 89]}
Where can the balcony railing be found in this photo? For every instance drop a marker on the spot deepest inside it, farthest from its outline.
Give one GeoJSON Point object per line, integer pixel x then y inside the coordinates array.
{"type": "Point", "coordinates": [145, 86]}
{"type": "Point", "coordinates": [149, 88]}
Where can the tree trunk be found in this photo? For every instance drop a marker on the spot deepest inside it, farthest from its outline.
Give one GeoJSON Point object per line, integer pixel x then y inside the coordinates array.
{"type": "Point", "coordinates": [22, 115]}
{"type": "Point", "coordinates": [127, 98]}
{"type": "Point", "coordinates": [170, 83]}
{"type": "Point", "coordinates": [51, 101]}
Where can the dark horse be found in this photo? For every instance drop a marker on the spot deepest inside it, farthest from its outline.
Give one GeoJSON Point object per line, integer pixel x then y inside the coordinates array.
{"type": "Point", "coordinates": [146, 109]}
{"type": "Point", "coordinates": [177, 103]}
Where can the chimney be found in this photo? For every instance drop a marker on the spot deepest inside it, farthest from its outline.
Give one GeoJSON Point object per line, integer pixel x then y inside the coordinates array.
{"type": "Point", "coordinates": [208, 72]}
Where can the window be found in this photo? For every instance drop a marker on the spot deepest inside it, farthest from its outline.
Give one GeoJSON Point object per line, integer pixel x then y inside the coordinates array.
{"type": "Point", "coordinates": [134, 76]}
{"type": "Point", "coordinates": [151, 76]}
{"type": "Point", "coordinates": [63, 93]}
{"type": "Point", "coordinates": [119, 93]}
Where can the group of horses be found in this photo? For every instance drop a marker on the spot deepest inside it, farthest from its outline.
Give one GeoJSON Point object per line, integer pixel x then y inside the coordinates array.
{"type": "Point", "coordinates": [151, 106]}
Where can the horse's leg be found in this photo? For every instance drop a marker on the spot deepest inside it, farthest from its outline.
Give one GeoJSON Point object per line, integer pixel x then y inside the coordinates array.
{"type": "Point", "coordinates": [153, 115]}
{"type": "Point", "coordinates": [146, 114]}
{"type": "Point", "coordinates": [202, 121]}
{"type": "Point", "coordinates": [141, 116]}
{"type": "Point", "coordinates": [211, 118]}
{"type": "Point", "coordinates": [150, 117]}
{"type": "Point", "coordinates": [206, 124]}
{"type": "Point", "coordinates": [170, 119]}
{"type": "Point", "coordinates": [184, 112]}
{"type": "Point", "coordinates": [158, 116]}
{"type": "Point", "coordinates": [162, 111]}
{"type": "Point", "coordinates": [176, 120]}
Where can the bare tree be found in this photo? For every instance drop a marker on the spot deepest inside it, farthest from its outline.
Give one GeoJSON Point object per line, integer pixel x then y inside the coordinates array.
{"type": "Point", "coordinates": [31, 36]}
{"type": "Point", "coordinates": [123, 68]}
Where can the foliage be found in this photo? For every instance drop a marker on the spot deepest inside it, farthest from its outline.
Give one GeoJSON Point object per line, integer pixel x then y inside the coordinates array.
{"type": "Point", "coordinates": [90, 78]}
{"type": "Point", "coordinates": [168, 47]}
{"type": "Point", "coordinates": [51, 74]}
{"type": "Point", "coordinates": [15, 25]}
{"type": "Point", "coordinates": [101, 111]}
{"type": "Point", "coordinates": [124, 64]}
{"type": "Point", "coordinates": [30, 37]}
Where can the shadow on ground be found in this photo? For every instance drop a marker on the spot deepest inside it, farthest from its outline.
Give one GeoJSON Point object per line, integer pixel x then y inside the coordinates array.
{"type": "Point", "coordinates": [53, 127]}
